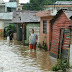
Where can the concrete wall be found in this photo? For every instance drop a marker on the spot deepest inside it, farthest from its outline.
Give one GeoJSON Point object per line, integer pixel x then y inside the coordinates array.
{"type": "Point", "coordinates": [71, 55]}
{"type": "Point", "coordinates": [11, 5]}
{"type": "Point", "coordinates": [1, 28]}
{"type": "Point", "coordinates": [1, 25]}
{"type": "Point", "coordinates": [2, 9]}
{"type": "Point", "coordinates": [47, 35]}
{"type": "Point", "coordinates": [32, 25]}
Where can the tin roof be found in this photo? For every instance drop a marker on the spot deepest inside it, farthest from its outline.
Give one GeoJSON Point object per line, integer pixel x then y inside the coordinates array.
{"type": "Point", "coordinates": [6, 16]}
{"type": "Point", "coordinates": [25, 16]}
{"type": "Point", "coordinates": [63, 2]}
{"type": "Point", "coordinates": [68, 13]}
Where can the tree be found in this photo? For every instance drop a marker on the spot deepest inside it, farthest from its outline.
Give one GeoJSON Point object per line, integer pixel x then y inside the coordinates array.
{"type": "Point", "coordinates": [39, 4]}
{"type": "Point", "coordinates": [36, 4]}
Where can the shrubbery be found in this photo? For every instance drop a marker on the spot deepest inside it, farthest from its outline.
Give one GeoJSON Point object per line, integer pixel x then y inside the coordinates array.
{"type": "Point", "coordinates": [61, 65]}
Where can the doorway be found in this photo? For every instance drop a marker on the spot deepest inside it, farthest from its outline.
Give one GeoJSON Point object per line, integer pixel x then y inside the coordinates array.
{"type": "Point", "coordinates": [64, 42]}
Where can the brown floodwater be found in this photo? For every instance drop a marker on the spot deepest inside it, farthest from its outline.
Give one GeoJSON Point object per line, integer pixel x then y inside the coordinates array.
{"type": "Point", "coordinates": [18, 58]}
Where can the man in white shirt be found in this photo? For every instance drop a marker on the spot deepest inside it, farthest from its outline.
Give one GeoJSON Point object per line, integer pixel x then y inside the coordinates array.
{"type": "Point", "coordinates": [33, 40]}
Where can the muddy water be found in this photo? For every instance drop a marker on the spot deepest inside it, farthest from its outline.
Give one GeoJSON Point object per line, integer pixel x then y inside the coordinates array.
{"type": "Point", "coordinates": [18, 58]}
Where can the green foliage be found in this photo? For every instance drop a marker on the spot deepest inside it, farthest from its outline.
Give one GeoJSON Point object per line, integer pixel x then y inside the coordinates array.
{"type": "Point", "coordinates": [61, 65]}
{"type": "Point", "coordinates": [39, 4]}
{"type": "Point", "coordinates": [26, 44]}
{"type": "Point", "coordinates": [36, 4]}
{"type": "Point", "coordinates": [10, 27]}
{"type": "Point", "coordinates": [39, 45]}
{"type": "Point", "coordinates": [43, 46]}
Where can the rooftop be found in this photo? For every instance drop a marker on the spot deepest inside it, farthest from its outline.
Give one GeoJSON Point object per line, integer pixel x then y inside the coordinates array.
{"type": "Point", "coordinates": [63, 2]}
{"type": "Point", "coordinates": [25, 16]}
{"type": "Point", "coordinates": [68, 13]}
{"type": "Point", "coordinates": [6, 16]}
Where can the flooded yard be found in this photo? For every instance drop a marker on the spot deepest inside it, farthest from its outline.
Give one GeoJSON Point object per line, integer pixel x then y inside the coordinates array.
{"type": "Point", "coordinates": [19, 58]}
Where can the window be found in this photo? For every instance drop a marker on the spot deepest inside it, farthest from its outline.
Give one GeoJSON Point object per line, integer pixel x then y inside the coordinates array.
{"type": "Point", "coordinates": [45, 26]}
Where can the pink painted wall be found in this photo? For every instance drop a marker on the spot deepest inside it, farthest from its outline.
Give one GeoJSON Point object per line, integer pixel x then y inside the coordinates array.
{"type": "Point", "coordinates": [42, 35]}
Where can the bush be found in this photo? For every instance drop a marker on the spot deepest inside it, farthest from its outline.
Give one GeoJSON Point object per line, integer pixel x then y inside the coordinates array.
{"type": "Point", "coordinates": [44, 46]}
{"type": "Point", "coordinates": [61, 65]}
{"type": "Point", "coordinates": [7, 28]}
{"type": "Point", "coordinates": [40, 46]}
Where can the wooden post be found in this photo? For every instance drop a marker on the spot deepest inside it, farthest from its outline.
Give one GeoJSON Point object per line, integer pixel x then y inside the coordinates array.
{"type": "Point", "coordinates": [70, 58]}
{"type": "Point", "coordinates": [23, 35]}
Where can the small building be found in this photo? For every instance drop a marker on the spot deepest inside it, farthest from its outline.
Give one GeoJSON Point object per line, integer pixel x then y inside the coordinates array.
{"type": "Point", "coordinates": [2, 6]}
{"type": "Point", "coordinates": [25, 21]}
{"type": "Point", "coordinates": [60, 5]}
{"type": "Point", "coordinates": [45, 27]}
{"type": "Point", "coordinates": [5, 20]}
{"type": "Point", "coordinates": [60, 33]}
{"type": "Point", "coordinates": [10, 6]}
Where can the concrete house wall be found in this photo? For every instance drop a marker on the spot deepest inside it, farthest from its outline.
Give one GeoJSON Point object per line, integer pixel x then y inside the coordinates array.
{"type": "Point", "coordinates": [2, 8]}
{"type": "Point", "coordinates": [47, 35]}
{"type": "Point", "coordinates": [46, 15]}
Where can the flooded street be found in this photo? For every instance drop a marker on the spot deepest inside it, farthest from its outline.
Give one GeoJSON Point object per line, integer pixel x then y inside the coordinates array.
{"type": "Point", "coordinates": [18, 58]}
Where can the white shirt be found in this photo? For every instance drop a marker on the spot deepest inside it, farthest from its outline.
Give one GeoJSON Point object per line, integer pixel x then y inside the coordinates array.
{"type": "Point", "coordinates": [33, 38]}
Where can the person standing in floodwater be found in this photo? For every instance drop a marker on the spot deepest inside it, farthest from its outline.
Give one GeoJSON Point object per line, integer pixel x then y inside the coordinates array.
{"type": "Point", "coordinates": [10, 34]}
{"type": "Point", "coordinates": [33, 40]}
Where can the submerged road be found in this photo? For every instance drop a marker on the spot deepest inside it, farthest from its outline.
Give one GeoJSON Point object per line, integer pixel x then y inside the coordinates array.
{"type": "Point", "coordinates": [18, 58]}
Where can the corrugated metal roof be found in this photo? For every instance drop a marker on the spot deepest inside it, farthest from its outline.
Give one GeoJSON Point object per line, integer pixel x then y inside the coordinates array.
{"type": "Point", "coordinates": [68, 13]}
{"type": "Point", "coordinates": [25, 16]}
{"type": "Point", "coordinates": [6, 16]}
{"type": "Point", "coordinates": [63, 2]}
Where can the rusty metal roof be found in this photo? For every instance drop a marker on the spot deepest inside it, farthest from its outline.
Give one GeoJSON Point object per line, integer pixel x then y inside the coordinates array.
{"type": "Point", "coordinates": [25, 16]}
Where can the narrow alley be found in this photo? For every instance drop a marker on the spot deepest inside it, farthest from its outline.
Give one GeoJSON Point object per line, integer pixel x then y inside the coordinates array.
{"type": "Point", "coordinates": [18, 58]}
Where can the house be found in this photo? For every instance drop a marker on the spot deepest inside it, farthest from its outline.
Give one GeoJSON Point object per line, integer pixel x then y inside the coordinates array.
{"type": "Point", "coordinates": [6, 14]}
{"type": "Point", "coordinates": [45, 27]}
{"type": "Point", "coordinates": [5, 20]}
{"type": "Point", "coordinates": [25, 21]}
{"type": "Point", "coordinates": [60, 5]}
{"type": "Point", "coordinates": [2, 6]}
{"type": "Point", "coordinates": [60, 33]}
{"type": "Point", "coordinates": [10, 6]}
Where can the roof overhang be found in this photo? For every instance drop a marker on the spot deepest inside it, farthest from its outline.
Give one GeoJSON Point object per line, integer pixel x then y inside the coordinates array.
{"type": "Point", "coordinates": [43, 13]}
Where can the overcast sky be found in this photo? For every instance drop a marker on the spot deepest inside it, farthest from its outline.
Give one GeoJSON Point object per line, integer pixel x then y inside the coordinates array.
{"type": "Point", "coordinates": [21, 1]}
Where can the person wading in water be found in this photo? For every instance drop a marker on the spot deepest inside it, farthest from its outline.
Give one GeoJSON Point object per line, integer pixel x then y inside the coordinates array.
{"type": "Point", "coordinates": [33, 40]}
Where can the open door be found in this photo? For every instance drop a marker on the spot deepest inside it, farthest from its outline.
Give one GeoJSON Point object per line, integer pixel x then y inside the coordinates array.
{"type": "Point", "coordinates": [64, 42]}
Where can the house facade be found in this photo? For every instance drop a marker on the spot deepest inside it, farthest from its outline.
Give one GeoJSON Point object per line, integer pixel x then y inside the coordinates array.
{"type": "Point", "coordinates": [60, 5]}
{"type": "Point", "coordinates": [25, 21]}
{"type": "Point", "coordinates": [45, 27]}
{"type": "Point", "coordinates": [6, 14]}
{"type": "Point", "coordinates": [60, 33]}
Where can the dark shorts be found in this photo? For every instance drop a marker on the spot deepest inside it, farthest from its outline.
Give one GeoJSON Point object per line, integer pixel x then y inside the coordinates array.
{"type": "Point", "coordinates": [33, 46]}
